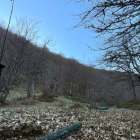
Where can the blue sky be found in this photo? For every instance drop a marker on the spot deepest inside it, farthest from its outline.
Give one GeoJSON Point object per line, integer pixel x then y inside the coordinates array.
{"type": "Point", "coordinates": [57, 19]}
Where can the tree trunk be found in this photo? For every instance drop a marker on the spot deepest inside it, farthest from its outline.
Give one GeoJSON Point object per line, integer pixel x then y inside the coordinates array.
{"type": "Point", "coordinates": [133, 86]}
{"type": "Point", "coordinates": [134, 92]}
{"type": "Point", "coordinates": [2, 100]}
{"type": "Point", "coordinates": [3, 97]}
{"type": "Point", "coordinates": [94, 99]}
{"type": "Point", "coordinates": [48, 82]}
{"type": "Point", "coordinates": [30, 87]}
{"type": "Point", "coordinates": [54, 88]}
{"type": "Point", "coordinates": [70, 91]}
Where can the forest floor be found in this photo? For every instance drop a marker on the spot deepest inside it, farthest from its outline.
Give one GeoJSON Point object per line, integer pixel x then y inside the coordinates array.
{"type": "Point", "coordinates": [18, 121]}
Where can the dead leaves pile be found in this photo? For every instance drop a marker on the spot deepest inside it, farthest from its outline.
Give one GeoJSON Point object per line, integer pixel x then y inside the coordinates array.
{"type": "Point", "coordinates": [31, 123]}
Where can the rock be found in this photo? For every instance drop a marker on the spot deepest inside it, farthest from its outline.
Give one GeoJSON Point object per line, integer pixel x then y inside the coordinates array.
{"type": "Point", "coordinates": [124, 111]}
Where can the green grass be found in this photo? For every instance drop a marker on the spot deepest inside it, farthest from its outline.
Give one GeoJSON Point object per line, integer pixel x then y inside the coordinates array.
{"type": "Point", "coordinates": [63, 100]}
{"type": "Point", "coordinates": [16, 95]}
{"type": "Point", "coordinates": [20, 95]}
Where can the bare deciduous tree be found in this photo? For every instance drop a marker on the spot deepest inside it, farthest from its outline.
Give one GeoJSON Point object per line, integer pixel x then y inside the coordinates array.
{"type": "Point", "coordinates": [15, 53]}
{"type": "Point", "coordinates": [119, 22]}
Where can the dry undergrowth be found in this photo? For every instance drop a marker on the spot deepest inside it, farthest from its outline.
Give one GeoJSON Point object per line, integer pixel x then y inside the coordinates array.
{"type": "Point", "coordinates": [31, 123]}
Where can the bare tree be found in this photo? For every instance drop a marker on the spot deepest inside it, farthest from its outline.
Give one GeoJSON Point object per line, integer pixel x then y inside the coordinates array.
{"type": "Point", "coordinates": [119, 22]}
{"type": "Point", "coordinates": [2, 66]}
{"type": "Point", "coordinates": [35, 66]}
{"type": "Point", "coordinates": [15, 52]}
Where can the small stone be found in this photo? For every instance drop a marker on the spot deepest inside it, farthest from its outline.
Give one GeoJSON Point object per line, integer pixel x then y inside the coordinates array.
{"type": "Point", "coordinates": [124, 111]}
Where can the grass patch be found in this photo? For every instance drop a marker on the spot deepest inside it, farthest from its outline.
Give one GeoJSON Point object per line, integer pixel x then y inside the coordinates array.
{"type": "Point", "coordinates": [80, 100]}
{"type": "Point", "coordinates": [19, 95]}
{"type": "Point", "coordinates": [67, 100]}
{"type": "Point", "coordinates": [47, 97]}
{"type": "Point", "coordinates": [16, 95]}
{"type": "Point", "coordinates": [27, 100]}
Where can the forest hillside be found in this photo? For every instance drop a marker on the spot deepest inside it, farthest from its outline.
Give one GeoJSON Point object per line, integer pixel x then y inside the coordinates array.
{"type": "Point", "coordinates": [37, 67]}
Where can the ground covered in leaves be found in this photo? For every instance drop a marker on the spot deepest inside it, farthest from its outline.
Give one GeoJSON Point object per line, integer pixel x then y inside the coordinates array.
{"type": "Point", "coordinates": [33, 122]}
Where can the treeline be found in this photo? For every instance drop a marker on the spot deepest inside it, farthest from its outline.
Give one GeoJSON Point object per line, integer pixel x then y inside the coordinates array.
{"type": "Point", "coordinates": [37, 66]}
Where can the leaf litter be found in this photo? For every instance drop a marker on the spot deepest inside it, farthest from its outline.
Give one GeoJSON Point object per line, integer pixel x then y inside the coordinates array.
{"type": "Point", "coordinates": [34, 122]}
